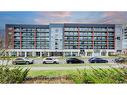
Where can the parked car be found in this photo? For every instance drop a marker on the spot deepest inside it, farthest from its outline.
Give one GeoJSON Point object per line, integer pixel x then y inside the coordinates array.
{"type": "Point", "coordinates": [97, 60]}
{"type": "Point", "coordinates": [50, 60]}
{"type": "Point", "coordinates": [91, 58]}
{"type": "Point", "coordinates": [120, 60]}
{"type": "Point", "coordinates": [23, 60]}
{"type": "Point", "coordinates": [74, 60]}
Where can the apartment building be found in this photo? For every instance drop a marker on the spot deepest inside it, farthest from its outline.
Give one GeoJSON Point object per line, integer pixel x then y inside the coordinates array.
{"type": "Point", "coordinates": [124, 39]}
{"type": "Point", "coordinates": [68, 39]}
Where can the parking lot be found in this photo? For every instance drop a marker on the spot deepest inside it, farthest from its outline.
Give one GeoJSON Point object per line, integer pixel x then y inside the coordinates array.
{"type": "Point", "coordinates": [61, 60]}
{"type": "Point", "coordinates": [38, 65]}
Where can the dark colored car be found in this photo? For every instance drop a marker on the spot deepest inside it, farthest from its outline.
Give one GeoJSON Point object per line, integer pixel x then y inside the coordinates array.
{"type": "Point", "coordinates": [97, 60]}
{"type": "Point", "coordinates": [24, 60]}
{"type": "Point", "coordinates": [74, 60]}
{"type": "Point", "coordinates": [120, 60]}
{"type": "Point", "coordinates": [91, 58]}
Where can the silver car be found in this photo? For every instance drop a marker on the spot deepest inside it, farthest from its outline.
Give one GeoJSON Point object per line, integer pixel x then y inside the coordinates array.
{"type": "Point", "coordinates": [50, 60]}
{"type": "Point", "coordinates": [23, 60]}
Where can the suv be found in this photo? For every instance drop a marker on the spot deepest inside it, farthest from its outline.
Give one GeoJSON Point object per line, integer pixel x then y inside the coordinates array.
{"type": "Point", "coordinates": [74, 60]}
{"type": "Point", "coordinates": [23, 60]}
{"type": "Point", "coordinates": [50, 60]}
{"type": "Point", "coordinates": [97, 60]}
{"type": "Point", "coordinates": [120, 60]}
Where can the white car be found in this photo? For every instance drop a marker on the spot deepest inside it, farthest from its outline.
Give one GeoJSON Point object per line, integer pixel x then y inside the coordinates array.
{"type": "Point", "coordinates": [22, 60]}
{"type": "Point", "coordinates": [50, 60]}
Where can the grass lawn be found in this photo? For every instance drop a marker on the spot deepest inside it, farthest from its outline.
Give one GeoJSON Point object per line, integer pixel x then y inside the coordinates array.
{"type": "Point", "coordinates": [56, 73]}
{"type": "Point", "coordinates": [51, 73]}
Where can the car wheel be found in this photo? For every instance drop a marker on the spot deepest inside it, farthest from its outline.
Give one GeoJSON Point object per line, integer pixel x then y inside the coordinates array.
{"type": "Point", "coordinates": [92, 62]}
{"type": "Point", "coordinates": [44, 62]}
{"type": "Point", "coordinates": [69, 62]}
{"type": "Point", "coordinates": [32, 62]}
{"type": "Point", "coordinates": [55, 62]}
{"type": "Point", "coordinates": [14, 63]}
{"type": "Point", "coordinates": [27, 63]}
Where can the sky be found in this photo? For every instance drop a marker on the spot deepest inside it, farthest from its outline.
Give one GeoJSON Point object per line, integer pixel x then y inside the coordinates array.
{"type": "Point", "coordinates": [46, 17]}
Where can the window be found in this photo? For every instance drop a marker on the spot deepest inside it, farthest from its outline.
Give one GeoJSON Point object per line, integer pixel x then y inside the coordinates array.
{"type": "Point", "coordinates": [48, 58]}
{"type": "Point", "coordinates": [89, 53]}
{"type": "Point", "coordinates": [56, 43]}
{"type": "Point", "coordinates": [19, 59]}
{"type": "Point", "coordinates": [118, 38]}
{"type": "Point", "coordinates": [103, 53]}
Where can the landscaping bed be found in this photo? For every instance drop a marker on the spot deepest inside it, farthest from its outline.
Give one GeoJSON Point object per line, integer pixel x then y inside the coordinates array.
{"type": "Point", "coordinates": [48, 80]}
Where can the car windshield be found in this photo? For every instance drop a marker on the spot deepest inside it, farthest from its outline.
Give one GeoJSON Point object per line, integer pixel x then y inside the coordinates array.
{"type": "Point", "coordinates": [92, 58]}
{"type": "Point", "coordinates": [48, 58]}
{"type": "Point", "coordinates": [73, 58]}
{"type": "Point", "coordinates": [26, 58]}
{"type": "Point", "coordinates": [19, 59]}
{"type": "Point", "coordinates": [98, 58]}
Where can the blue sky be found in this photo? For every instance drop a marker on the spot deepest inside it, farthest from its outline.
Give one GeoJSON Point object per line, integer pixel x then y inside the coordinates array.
{"type": "Point", "coordinates": [46, 17]}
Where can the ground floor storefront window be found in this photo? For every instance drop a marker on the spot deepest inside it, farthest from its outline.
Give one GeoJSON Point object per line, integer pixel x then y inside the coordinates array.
{"type": "Point", "coordinates": [89, 53]}
{"type": "Point", "coordinates": [103, 53]}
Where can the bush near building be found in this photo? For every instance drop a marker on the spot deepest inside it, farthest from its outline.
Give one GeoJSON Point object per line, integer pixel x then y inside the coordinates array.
{"type": "Point", "coordinates": [113, 75]}
{"type": "Point", "coordinates": [12, 75]}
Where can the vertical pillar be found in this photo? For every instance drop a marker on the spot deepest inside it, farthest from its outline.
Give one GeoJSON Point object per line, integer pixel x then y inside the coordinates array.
{"type": "Point", "coordinates": [6, 39]}
{"type": "Point", "coordinates": [114, 40]}
{"type": "Point", "coordinates": [107, 53]}
{"type": "Point", "coordinates": [40, 54]}
{"type": "Point", "coordinates": [20, 40]}
{"type": "Point", "coordinates": [85, 53]}
{"type": "Point", "coordinates": [78, 38]}
{"type": "Point", "coordinates": [33, 53]}
{"type": "Point", "coordinates": [71, 53]}
{"type": "Point", "coordinates": [25, 54]}
{"type": "Point", "coordinates": [107, 40]}
{"type": "Point", "coordinates": [13, 38]}
{"type": "Point", "coordinates": [9, 53]}
{"type": "Point", "coordinates": [48, 54]}
{"type": "Point", "coordinates": [93, 40]}
{"type": "Point", "coordinates": [17, 53]}
{"type": "Point", "coordinates": [63, 53]}
{"type": "Point", "coordinates": [100, 53]}
{"type": "Point", "coordinates": [64, 38]}
{"type": "Point", "coordinates": [35, 39]}
{"type": "Point", "coordinates": [78, 53]}
{"type": "Point", "coordinates": [5, 53]}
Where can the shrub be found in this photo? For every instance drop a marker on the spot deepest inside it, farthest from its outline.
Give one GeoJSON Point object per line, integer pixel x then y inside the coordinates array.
{"type": "Point", "coordinates": [112, 75]}
{"type": "Point", "coordinates": [12, 75]}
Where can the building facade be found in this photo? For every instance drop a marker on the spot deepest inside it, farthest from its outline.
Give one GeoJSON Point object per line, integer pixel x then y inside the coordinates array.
{"type": "Point", "coordinates": [68, 39]}
{"type": "Point", "coordinates": [124, 39]}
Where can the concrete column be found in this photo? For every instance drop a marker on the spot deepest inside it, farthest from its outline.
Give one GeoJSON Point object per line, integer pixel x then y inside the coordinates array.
{"type": "Point", "coordinates": [48, 54]}
{"type": "Point", "coordinates": [63, 53]}
{"type": "Point", "coordinates": [33, 53]}
{"type": "Point", "coordinates": [71, 53]}
{"type": "Point", "coordinates": [25, 54]}
{"type": "Point", "coordinates": [100, 53]}
{"type": "Point", "coordinates": [9, 53]}
{"type": "Point", "coordinates": [86, 53]}
{"type": "Point", "coordinates": [5, 53]}
{"type": "Point", "coordinates": [107, 53]}
{"type": "Point", "coordinates": [17, 53]}
{"type": "Point", "coordinates": [78, 53]}
{"type": "Point", "coordinates": [40, 54]}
